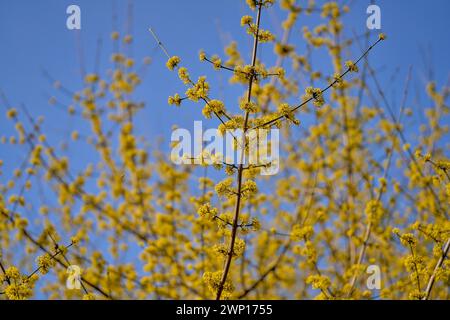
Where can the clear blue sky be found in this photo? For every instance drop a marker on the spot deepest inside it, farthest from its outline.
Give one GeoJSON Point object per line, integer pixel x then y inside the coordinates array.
{"type": "Point", "coordinates": [33, 36]}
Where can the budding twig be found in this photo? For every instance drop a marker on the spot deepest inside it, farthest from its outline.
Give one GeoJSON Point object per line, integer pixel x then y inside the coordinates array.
{"type": "Point", "coordinates": [336, 80]}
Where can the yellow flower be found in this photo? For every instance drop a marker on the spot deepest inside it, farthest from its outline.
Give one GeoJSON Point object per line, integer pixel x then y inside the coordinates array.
{"type": "Point", "coordinates": [75, 135]}
{"type": "Point", "coordinates": [408, 239]}
{"type": "Point", "coordinates": [265, 36]}
{"type": "Point", "coordinates": [129, 63]}
{"type": "Point", "coordinates": [283, 49]}
{"type": "Point", "coordinates": [211, 107]}
{"type": "Point", "coordinates": [251, 4]}
{"type": "Point", "coordinates": [91, 78]}
{"type": "Point", "coordinates": [12, 113]}
{"type": "Point", "coordinates": [374, 210]}
{"type": "Point", "coordinates": [12, 273]}
{"type": "Point", "coordinates": [223, 188]}
{"type": "Point", "coordinates": [202, 55]}
{"type": "Point", "coordinates": [45, 262]}
{"type": "Point", "coordinates": [115, 35]}
{"type": "Point", "coordinates": [175, 100]}
{"type": "Point", "coordinates": [217, 63]}
{"type": "Point", "coordinates": [250, 107]}
{"type": "Point", "coordinates": [406, 147]}
{"type": "Point", "coordinates": [199, 90]}
{"type": "Point", "coordinates": [183, 74]}
{"type": "Point", "coordinates": [245, 20]}
{"type": "Point", "coordinates": [249, 188]}
{"type": "Point", "coordinates": [75, 240]}
{"type": "Point", "coordinates": [352, 67]}
{"type": "Point", "coordinates": [88, 296]}
{"type": "Point", "coordinates": [301, 233]}
{"type": "Point", "coordinates": [173, 62]}
{"type": "Point", "coordinates": [207, 212]}
{"type": "Point", "coordinates": [256, 225]}
{"type": "Point", "coordinates": [213, 279]}
{"type": "Point", "coordinates": [316, 94]}
{"type": "Point", "coordinates": [318, 282]}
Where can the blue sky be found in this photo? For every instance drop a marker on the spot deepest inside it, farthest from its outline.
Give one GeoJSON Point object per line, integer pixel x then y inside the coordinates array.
{"type": "Point", "coordinates": [33, 37]}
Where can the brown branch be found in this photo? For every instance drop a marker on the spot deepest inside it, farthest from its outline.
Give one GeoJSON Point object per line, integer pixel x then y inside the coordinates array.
{"type": "Point", "coordinates": [227, 265]}
{"type": "Point", "coordinates": [432, 279]}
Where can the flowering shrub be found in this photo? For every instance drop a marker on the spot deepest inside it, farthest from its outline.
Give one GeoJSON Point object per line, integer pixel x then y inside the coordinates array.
{"type": "Point", "coordinates": [354, 189]}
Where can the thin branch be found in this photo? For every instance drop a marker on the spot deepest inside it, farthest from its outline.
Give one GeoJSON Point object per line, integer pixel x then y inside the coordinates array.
{"type": "Point", "coordinates": [432, 279]}
{"type": "Point", "coordinates": [160, 44]}
{"type": "Point", "coordinates": [227, 265]}
{"type": "Point", "coordinates": [336, 80]}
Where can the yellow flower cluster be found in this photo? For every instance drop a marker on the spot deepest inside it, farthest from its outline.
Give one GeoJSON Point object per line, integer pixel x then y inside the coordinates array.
{"type": "Point", "coordinates": [213, 107]}
{"type": "Point", "coordinates": [374, 210]}
{"type": "Point", "coordinates": [300, 233]}
{"type": "Point", "coordinates": [224, 188]}
{"type": "Point", "coordinates": [283, 50]}
{"type": "Point", "coordinates": [250, 107]}
{"type": "Point", "coordinates": [175, 100]}
{"type": "Point", "coordinates": [351, 66]}
{"type": "Point", "coordinates": [183, 74]}
{"type": "Point", "coordinates": [249, 188]}
{"type": "Point", "coordinates": [199, 90]}
{"type": "Point", "coordinates": [217, 62]}
{"type": "Point", "coordinates": [91, 78]}
{"type": "Point", "coordinates": [202, 55]}
{"type": "Point", "coordinates": [213, 280]}
{"type": "Point", "coordinates": [207, 212]}
{"type": "Point", "coordinates": [263, 35]}
{"type": "Point", "coordinates": [246, 20]}
{"type": "Point", "coordinates": [407, 239]}
{"type": "Point", "coordinates": [20, 287]}
{"type": "Point", "coordinates": [318, 282]}
{"type": "Point", "coordinates": [11, 113]}
{"type": "Point", "coordinates": [173, 62]}
{"type": "Point", "coordinates": [286, 111]}
{"type": "Point", "coordinates": [45, 263]}
{"type": "Point", "coordinates": [316, 94]}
